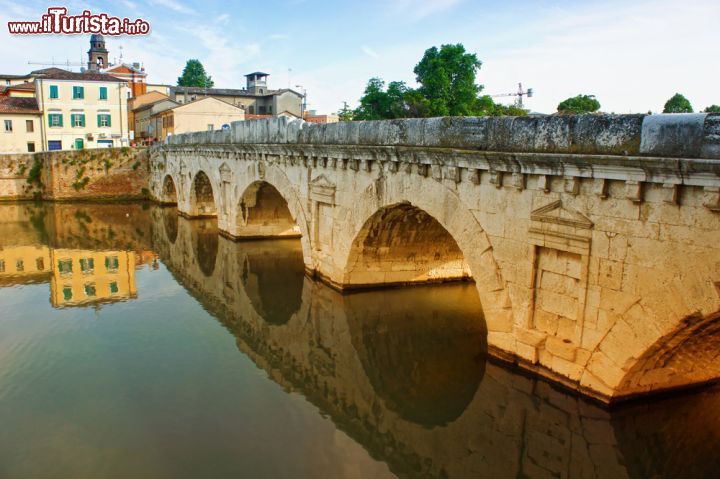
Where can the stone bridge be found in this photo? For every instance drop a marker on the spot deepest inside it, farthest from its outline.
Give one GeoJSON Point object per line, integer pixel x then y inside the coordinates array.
{"type": "Point", "coordinates": [592, 241]}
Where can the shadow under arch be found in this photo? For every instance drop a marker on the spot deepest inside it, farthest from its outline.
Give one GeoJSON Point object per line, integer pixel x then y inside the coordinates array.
{"type": "Point", "coordinates": [263, 212]}
{"type": "Point", "coordinates": [202, 196]}
{"type": "Point", "coordinates": [402, 244]}
{"type": "Point", "coordinates": [169, 191]}
{"type": "Point", "coordinates": [170, 219]}
{"type": "Point", "coordinates": [272, 275]}
{"type": "Point", "coordinates": [686, 356]}
{"type": "Point", "coordinates": [423, 349]}
{"type": "Point", "coordinates": [205, 241]}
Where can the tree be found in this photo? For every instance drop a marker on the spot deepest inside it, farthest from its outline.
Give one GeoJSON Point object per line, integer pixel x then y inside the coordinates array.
{"type": "Point", "coordinates": [579, 104]}
{"type": "Point", "coordinates": [194, 75]}
{"type": "Point", "coordinates": [345, 113]}
{"type": "Point", "coordinates": [713, 109]}
{"type": "Point", "coordinates": [678, 104]}
{"type": "Point", "coordinates": [447, 79]}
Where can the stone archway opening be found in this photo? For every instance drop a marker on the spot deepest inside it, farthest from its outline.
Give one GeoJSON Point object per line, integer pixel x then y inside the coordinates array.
{"type": "Point", "coordinates": [402, 245]}
{"type": "Point", "coordinates": [687, 356]}
{"type": "Point", "coordinates": [169, 192]}
{"type": "Point", "coordinates": [203, 196]}
{"type": "Point", "coordinates": [264, 213]}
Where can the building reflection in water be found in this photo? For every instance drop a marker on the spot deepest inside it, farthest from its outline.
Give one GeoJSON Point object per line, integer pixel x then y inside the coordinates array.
{"type": "Point", "coordinates": [49, 244]}
{"type": "Point", "coordinates": [404, 372]}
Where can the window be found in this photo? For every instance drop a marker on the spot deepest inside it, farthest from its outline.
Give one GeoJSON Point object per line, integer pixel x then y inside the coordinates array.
{"type": "Point", "coordinates": [113, 288]}
{"type": "Point", "coordinates": [8, 126]}
{"type": "Point", "coordinates": [269, 110]}
{"type": "Point", "coordinates": [29, 126]}
{"type": "Point", "coordinates": [78, 92]}
{"type": "Point", "coordinates": [87, 265]}
{"type": "Point", "coordinates": [40, 264]}
{"type": "Point", "coordinates": [31, 146]}
{"type": "Point", "coordinates": [55, 120]}
{"type": "Point", "coordinates": [2, 265]}
{"type": "Point", "coordinates": [251, 110]}
{"type": "Point", "coordinates": [103, 93]}
{"type": "Point", "coordinates": [90, 290]}
{"type": "Point", "coordinates": [111, 263]}
{"type": "Point", "coordinates": [54, 145]}
{"type": "Point", "coordinates": [103, 119]}
{"type": "Point", "coordinates": [53, 92]}
{"type": "Point", "coordinates": [65, 266]}
{"type": "Point", "coordinates": [211, 127]}
{"type": "Point", "coordinates": [261, 110]}
{"type": "Point", "coordinates": [67, 293]}
{"type": "Point", "coordinates": [19, 265]}
{"type": "Point", "coordinates": [7, 82]}
{"type": "Point", "coordinates": [77, 120]}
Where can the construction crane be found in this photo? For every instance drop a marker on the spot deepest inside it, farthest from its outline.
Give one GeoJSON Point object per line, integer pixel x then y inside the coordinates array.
{"type": "Point", "coordinates": [519, 94]}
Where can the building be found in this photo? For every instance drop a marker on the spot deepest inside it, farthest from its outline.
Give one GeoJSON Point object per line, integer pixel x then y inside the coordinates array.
{"type": "Point", "coordinates": [137, 102]}
{"type": "Point", "coordinates": [255, 99]}
{"type": "Point", "coordinates": [82, 110]}
{"type": "Point", "coordinates": [25, 264]}
{"type": "Point", "coordinates": [147, 118]}
{"type": "Point", "coordinates": [133, 74]}
{"type": "Point", "coordinates": [312, 117]}
{"type": "Point", "coordinates": [22, 125]}
{"type": "Point", "coordinates": [199, 115]}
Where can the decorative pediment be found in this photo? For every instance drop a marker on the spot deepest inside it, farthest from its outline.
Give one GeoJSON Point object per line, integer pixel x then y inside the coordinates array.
{"type": "Point", "coordinates": [556, 213]}
{"type": "Point", "coordinates": [323, 190]}
{"type": "Point", "coordinates": [558, 227]}
{"type": "Point", "coordinates": [225, 173]}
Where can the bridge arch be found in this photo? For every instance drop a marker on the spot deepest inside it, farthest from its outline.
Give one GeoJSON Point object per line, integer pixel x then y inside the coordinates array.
{"type": "Point", "coordinates": [169, 192]}
{"type": "Point", "coordinates": [205, 244]}
{"type": "Point", "coordinates": [274, 176]}
{"type": "Point", "coordinates": [262, 212]}
{"type": "Point", "coordinates": [203, 202]}
{"type": "Point", "coordinates": [467, 249]}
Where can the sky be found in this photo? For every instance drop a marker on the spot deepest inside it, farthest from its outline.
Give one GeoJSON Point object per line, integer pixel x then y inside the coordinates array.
{"type": "Point", "coordinates": [632, 56]}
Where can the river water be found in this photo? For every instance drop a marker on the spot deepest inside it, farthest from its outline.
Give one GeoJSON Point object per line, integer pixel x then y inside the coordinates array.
{"type": "Point", "coordinates": [135, 343]}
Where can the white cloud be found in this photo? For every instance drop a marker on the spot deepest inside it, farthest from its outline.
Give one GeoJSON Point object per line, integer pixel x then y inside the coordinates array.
{"type": "Point", "coordinates": [415, 10]}
{"type": "Point", "coordinates": [369, 52]}
{"type": "Point", "coordinates": [173, 5]}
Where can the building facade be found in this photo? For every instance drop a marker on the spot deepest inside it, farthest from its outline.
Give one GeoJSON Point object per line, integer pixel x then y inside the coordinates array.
{"type": "Point", "coordinates": [21, 125]}
{"type": "Point", "coordinates": [83, 110]}
{"type": "Point", "coordinates": [148, 121]}
{"type": "Point", "coordinates": [200, 115]}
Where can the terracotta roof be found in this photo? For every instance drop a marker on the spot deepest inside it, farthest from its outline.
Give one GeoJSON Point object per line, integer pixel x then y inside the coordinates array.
{"type": "Point", "coordinates": [193, 90]}
{"type": "Point", "coordinates": [16, 104]}
{"type": "Point", "coordinates": [27, 86]}
{"type": "Point", "coordinates": [58, 74]}
{"type": "Point", "coordinates": [14, 77]}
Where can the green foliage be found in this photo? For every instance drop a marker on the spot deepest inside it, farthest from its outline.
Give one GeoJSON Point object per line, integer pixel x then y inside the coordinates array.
{"type": "Point", "coordinates": [345, 113]}
{"type": "Point", "coordinates": [447, 88]}
{"type": "Point", "coordinates": [713, 109]}
{"type": "Point", "coordinates": [678, 104]}
{"type": "Point", "coordinates": [145, 192]}
{"type": "Point", "coordinates": [125, 150]}
{"type": "Point", "coordinates": [79, 183]}
{"type": "Point", "coordinates": [447, 79]}
{"type": "Point", "coordinates": [136, 165]}
{"type": "Point", "coordinates": [35, 174]}
{"type": "Point", "coordinates": [579, 104]}
{"type": "Point", "coordinates": [22, 167]}
{"type": "Point", "coordinates": [194, 75]}
{"type": "Point", "coordinates": [107, 164]}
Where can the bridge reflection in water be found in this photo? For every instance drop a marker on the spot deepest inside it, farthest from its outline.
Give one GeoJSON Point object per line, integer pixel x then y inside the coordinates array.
{"type": "Point", "coordinates": [405, 372]}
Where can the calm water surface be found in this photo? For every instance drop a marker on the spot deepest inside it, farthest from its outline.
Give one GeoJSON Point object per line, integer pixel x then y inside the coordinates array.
{"type": "Point", "coordinates": [135, 344]}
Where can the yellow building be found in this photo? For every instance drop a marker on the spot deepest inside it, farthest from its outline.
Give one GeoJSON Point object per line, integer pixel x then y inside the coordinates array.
{"type": "Point", "coordinates": [20, 125]}
{"type": "Point", "coordinates": [201, 115]}
{"type": "Point", "coordinates": [82, 277]}
{"type": "Point", "coordinates": [24, 264]}
{"type": "Point", "coordinates": [82, 110]}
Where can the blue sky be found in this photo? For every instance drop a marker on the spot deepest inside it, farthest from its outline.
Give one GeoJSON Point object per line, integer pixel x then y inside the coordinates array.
{"type": "Point", "coordinates": [632, 55]}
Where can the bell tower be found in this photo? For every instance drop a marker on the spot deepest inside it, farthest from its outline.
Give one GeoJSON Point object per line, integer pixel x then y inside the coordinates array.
{"type": "Point", "coordinates": [98, 54]}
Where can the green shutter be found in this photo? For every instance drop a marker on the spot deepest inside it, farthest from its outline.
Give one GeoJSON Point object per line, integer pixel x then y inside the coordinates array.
{"type": "Point", "coordinates": [82, 120]}
{"type": "Point", "coordinates": [108, 120]}
{"type": "Point", "coordinates": [103, 93]}
{"type": "Point", "coordinates": [99, 117]}
{"type": "Point", "coordinates": [60, 116]}
{"type": "Point", "coordinates": [53, 91]}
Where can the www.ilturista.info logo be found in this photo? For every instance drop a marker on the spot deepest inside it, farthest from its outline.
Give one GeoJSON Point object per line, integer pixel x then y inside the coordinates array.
{"type": "Point", "coordinates": [57, 21]}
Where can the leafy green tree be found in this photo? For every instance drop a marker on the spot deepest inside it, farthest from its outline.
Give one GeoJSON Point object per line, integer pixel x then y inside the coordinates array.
{"type": "Point", "coordinates": [374, 104]}
{"type": "Point", "coordinates": [678, 104]}
{"type": "Point", "coordinates": [194, 75]}
{"type": "Point", "coordinates": [579, 104]}
{"type": "Point", "coordinates": [447, 79]}
{"type": "Point", "coordinates": [345, 113]}
{"type": "Point", "coordinates": [713, 109]}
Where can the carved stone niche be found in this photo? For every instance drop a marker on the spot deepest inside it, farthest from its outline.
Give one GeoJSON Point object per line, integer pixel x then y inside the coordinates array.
{"type": "Point", "coordinates": [322, 190]}
{"type": "Point", "coordinates": [225, 173]}
{"type": "Point", "coordinates": [560, 249]}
